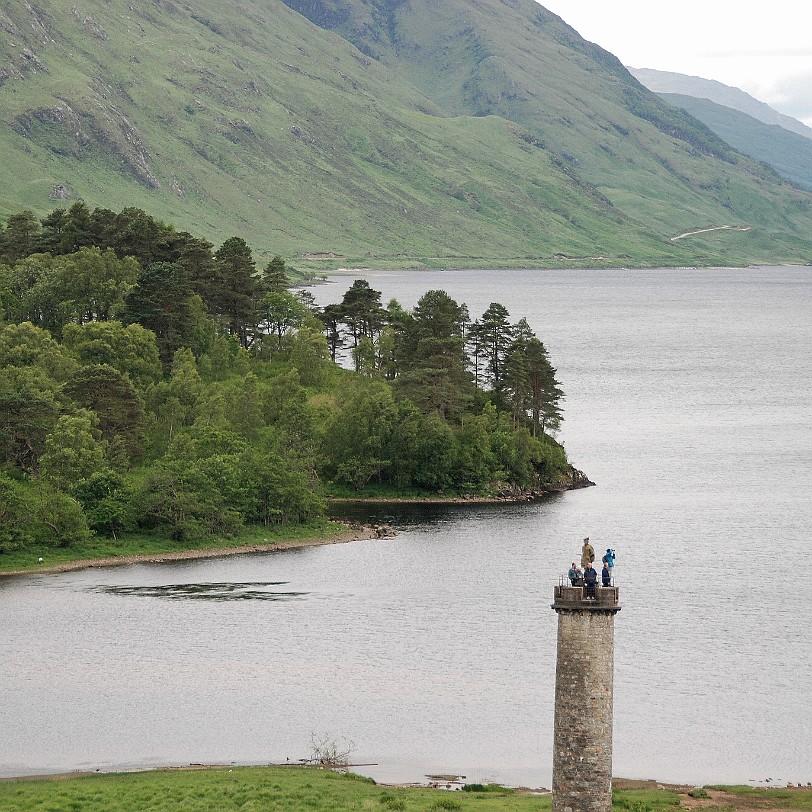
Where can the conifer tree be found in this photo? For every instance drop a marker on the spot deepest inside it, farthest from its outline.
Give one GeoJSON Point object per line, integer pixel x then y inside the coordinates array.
{"type": "Point", "coordinates": [496, 333]}
{"type": "Point", "coordinates": [361, 311]}
{"type": "Point", "coordinates": [77, 229]}
{"type": "Point", "coordinates": [237, 288]}
{"type": "Point", "coordinates": [50, 238]}
{"type": "Point", "coordinates": [19, 239]}
{"type": "Point", "coordinates": [161, 302]}
{"type": "Point", "coordinates": [275, 277]}
{"type": "Point", "coordinates": [197, 259]}
{"type": "Point", "coordinates": [434, 364]}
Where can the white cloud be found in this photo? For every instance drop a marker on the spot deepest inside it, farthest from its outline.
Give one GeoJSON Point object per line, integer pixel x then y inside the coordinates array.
{"type": "Point", "coordinates": [764, 51]}
{"type": "Point", "coordinates": [791, 95]}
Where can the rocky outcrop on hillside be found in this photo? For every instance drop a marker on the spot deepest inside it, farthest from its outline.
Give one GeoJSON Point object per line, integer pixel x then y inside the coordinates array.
{"type": "Point", "coordinates": [97, 131]}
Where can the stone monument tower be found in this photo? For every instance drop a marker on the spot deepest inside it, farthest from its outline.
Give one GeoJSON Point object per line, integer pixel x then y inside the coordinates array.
{"type": "Point", "coordinates": [582, 745]}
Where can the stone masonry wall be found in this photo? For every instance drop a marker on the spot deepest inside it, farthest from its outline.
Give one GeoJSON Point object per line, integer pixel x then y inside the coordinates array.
{"type": "Point", "coordinates": [582, 746]}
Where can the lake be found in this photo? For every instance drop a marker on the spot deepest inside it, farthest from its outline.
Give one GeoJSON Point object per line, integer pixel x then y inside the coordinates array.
{"type": "Point", "coordinates": [687, 402]}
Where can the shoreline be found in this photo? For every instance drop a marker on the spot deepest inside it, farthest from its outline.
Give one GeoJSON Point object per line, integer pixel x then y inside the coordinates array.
{"type": "Point", "coordinates": [617, 783]}
{"type": "Point", "coordinates": [352, 533]}
{"type": "Point", "coordinates": [436, 500]}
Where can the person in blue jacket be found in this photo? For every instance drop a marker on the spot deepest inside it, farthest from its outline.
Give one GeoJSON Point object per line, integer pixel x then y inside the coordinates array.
{"type": "Point", "coordinates": [609, 559]}
{"type": "Point", "coordinates": [606, 576]}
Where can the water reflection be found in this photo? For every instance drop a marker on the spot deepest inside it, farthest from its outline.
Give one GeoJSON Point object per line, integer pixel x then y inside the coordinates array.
{"type": "Point", "coordinates": [412, 515]}
{"type": "Point", "coordinates": [214, 591]}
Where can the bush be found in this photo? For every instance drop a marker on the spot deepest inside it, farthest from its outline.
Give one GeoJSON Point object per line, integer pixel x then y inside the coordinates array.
{"type": "Point", "coordinates": [15, 511]}
{"type": "Point", "coordinates": [446, 803]}
{"type": "Point", "coordinates": [351, 776]}
{"type": "Point", "coordinates": [58, 519]}
{"type": "Point", "coordinates": [36, 513]}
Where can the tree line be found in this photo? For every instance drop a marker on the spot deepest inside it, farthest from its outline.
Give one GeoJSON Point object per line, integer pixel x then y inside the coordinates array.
{"type": "Point", "coordinates": [151, 382]}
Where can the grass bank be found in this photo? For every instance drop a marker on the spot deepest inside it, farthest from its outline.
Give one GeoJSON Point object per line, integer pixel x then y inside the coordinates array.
{"type": "Point", "coordinates": [298, 789]}
{"type": "Point", "coordinates": [130, 548]}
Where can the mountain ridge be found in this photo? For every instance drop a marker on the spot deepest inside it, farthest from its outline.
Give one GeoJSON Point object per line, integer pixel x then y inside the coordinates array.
{"type": "Point", "coordinates": [787, 152]}
{"type": "Point", "coordinates": [662, 82]}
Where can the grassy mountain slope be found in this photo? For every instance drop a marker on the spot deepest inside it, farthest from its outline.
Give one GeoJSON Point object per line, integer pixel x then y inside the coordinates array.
{"type": "Point", "coordinates": [515, 59]}
{"type": "Point", "coordinates": [248, 119]}
{"type": "Point", "coordinates": [471, 132]}
{"type": "Point", "coordinates": [786, 152]}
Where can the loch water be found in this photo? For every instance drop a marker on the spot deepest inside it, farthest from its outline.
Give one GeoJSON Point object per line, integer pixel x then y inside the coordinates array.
{"type": "Point", "coordinates": [688, 403]}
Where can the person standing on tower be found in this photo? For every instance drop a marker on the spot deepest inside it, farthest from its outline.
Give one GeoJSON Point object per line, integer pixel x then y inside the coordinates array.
{"type": "Point", "coordinates": [590, 580]}
{"type": "Point", "coordinates": [572, 574]}
{"type": "Point", "coordinates": [587, 554]}
{"type": "Point", "coordinates": [606, 576]}
{"type": "Point", "coordinates": [609, 560]}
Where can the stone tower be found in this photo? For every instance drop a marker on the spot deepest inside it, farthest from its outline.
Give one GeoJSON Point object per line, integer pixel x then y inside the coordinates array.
{"type": "Point", "coordinates": [582, 740]}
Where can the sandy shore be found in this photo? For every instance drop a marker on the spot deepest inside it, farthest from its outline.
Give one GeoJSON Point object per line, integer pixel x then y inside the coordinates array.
{"type": "Point", "coordinates": [352, 533]}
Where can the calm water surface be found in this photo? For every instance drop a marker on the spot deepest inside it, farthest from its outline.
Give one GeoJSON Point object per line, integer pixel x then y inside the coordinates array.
{"type": "Point", "coordinates": [688, 402]}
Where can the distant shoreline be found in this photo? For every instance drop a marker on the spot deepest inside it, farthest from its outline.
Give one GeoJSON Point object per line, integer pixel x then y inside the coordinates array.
{"type": "Point", "coordinates": [716, 790]}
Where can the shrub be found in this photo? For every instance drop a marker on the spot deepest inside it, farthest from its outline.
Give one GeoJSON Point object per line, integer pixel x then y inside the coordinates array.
{"type": "Point", "coordinates": [446, 803]}
{"type": "Point", "coordinates": [486, 788]}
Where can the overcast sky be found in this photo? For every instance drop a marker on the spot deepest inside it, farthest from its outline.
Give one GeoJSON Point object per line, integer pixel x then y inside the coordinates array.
{"type": "Point", "coordinates": [764, 49]}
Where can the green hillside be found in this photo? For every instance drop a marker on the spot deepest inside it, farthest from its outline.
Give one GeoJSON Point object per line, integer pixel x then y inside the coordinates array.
{"type": "Point", "coordinates": [475, 132]}
{"type": "Point", "coordinates": [517, 60]}
{"type": "Point", "coordinates": [788, 153]}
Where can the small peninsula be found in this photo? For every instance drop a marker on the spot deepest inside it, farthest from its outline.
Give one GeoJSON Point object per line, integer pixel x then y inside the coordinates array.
{"type": "Point", "coordinates": [160, 393]}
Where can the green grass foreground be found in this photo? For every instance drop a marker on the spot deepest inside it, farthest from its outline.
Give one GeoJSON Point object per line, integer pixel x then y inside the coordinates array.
{"type": "Point", "coordinates": [301, 789]}
{"type": "Point", "coordinates": [135, 546]}
{"type": "Point", "coordinates": [247, 789]}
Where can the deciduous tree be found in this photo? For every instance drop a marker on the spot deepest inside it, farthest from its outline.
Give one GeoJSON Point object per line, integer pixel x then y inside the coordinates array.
{"type": "Point", "coordinates": [132, 350]}
{"type": "Point", "coordinates": [74, 450]}
{"type": "Point", "coordinates": [113, 399]}
{"type": "Point", "coordinates": [29, 407]}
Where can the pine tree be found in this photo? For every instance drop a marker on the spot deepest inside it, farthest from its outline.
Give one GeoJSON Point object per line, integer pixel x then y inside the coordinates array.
{"type": "Point", "coordinates": [237, 288]}
{"type": "Point", "coordinates": [496, 334]}
{"type": "Point", "coordinates": [434, 364]}
{"type": "Point", "coordinates": [19, 239]}
{"type": "Point", "coordinates": [161, 301]}
{"type": "Point", "coordinates": [275, 277]}
{"type": "Point", "coordinates": [361, 311]}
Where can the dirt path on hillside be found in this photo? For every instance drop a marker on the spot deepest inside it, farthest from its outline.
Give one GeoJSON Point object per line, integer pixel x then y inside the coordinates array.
{"type": "Point", "coordinates": [712, 228]}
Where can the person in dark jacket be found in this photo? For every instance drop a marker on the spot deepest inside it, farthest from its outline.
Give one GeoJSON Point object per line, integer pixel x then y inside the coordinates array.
{"type": "Point", "coordinates": [606, 576]}
{"type": "Point", "coordinates": [590, 580]}
{"type": "Point", "coordinates": [573, 574]}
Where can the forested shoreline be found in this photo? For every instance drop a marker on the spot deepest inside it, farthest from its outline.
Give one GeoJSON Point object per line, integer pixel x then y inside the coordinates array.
{"type": "Point", "coordinates": [151, 383]}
